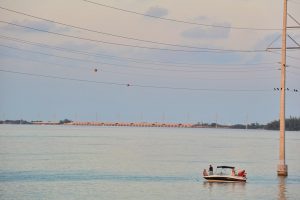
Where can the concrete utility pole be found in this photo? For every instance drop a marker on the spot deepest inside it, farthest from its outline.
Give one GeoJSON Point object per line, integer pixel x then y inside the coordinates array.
{"type": "Point", "coordinates": [282, 169]}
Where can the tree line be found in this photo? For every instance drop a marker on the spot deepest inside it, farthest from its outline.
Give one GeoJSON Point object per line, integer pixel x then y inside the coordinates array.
{"type": "Point", "coordinates": [291, 124]}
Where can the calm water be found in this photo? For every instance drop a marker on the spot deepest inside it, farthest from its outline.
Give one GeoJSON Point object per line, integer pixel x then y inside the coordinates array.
{"type": "Point", "coordinates": [59, 162]}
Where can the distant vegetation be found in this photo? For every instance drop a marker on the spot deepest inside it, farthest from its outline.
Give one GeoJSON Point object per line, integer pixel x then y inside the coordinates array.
{"type": "Point", "coordinates": [291, 124]}
{"type": "Point", "coordinates": [249, 126]}
{"type": "Point", "coordinates": [65, 121]}
{"type": "Point", "coordinates": [15, 122]}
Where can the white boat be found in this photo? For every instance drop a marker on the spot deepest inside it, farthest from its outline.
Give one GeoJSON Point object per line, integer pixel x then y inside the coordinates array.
{"type": "Point", "coordinates": [225, 174]}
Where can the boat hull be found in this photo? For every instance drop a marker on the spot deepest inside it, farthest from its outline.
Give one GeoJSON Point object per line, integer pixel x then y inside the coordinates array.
{"type": "Point", "coordinates": [216, 178]}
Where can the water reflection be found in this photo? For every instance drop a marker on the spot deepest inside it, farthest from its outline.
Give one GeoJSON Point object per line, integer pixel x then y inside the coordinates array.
{"type": "Point", "coordinates": [230, 187]}
{"type": "Point", "coordinates": [281, 188]}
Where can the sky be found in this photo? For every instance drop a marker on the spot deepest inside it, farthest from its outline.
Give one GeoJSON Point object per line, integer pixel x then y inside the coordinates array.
{"type": "Point", "coordinates": [146, 60]}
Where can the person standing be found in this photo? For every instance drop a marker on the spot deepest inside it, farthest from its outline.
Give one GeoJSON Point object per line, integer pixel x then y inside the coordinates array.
{"type": "Point", "coordinates": [210, 170]}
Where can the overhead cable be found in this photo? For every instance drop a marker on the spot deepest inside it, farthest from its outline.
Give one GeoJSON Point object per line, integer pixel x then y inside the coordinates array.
{"type": "Point", "coordinates": [200, 50]}
{"type": "Point", "coordinates": [129, 73]}
{"type": "Point", "coordinates": [134, 85]}
{"type": "Point", "coordinates": [181, 21]}
{"type": "Point", "coordinates": [97, 31]}
{"type": "Point", "coordinates": [182, 65]}
{"type": "Point", "coordinates": [128, 66]}
{"type": "Point", "coordinates": [292, 57]}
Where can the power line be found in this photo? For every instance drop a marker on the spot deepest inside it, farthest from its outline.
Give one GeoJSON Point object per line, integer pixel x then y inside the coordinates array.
{"type": "Point", "coordinates": [100, 41]}
{"type": "Point", "coordinates": [45, 62]}
{"type": "Point", "coordinates": [62, 78]}
{"type": "Point", "coordinates": [293, 73]}
{"type": "Point", "coordinates": [189, 77]}
{"type": "Point", "coordinates": [140, 74]}
{"type": "Point", "coordinates": [201, 50]}
{"type": "Point", "coordinates": [134, 85]}
{"type": "Point", "coordinates": [101, 32]}
{"type": "Point", "coordinates": [127, 66]}
{"type": "Point", "coordinates": [182, 21]}
{"type": "Point", "coordinates": [292, 57]}
{"type": "Point", "coordinates": [294, 1]}
{"type": "Point", "coordinates": [297, 67]}
{"type": "Point", "coordinates": [128, 59]}
{"type": "Point", "coordinates": [96, 31]}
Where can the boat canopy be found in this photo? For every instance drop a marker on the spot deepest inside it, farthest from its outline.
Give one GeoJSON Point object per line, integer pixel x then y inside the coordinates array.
{"type": "Point", "coordinates": [224, 167]}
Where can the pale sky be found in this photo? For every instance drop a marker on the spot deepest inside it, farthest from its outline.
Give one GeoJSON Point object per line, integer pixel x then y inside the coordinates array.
{"type": "Point", "coordinates": [146, 70]}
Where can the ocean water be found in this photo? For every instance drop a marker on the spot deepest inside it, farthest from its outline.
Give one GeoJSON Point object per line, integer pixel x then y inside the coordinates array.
{"type": "Point", "coordinates": [70, 162]}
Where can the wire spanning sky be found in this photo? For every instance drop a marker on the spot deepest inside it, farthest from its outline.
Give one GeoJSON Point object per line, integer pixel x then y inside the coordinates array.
{"type": "Point", "coordinates": [146, 60]}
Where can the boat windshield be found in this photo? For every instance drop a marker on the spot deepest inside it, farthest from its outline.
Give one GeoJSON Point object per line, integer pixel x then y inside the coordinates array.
{"type": "Point", "coordinates": [224, 170]}
{"type": "Point", "coordinates": [229, 167]}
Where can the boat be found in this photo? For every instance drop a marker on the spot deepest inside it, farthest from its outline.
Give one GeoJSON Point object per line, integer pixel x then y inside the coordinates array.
{"type": "Point", "coordinates": [225, 174]}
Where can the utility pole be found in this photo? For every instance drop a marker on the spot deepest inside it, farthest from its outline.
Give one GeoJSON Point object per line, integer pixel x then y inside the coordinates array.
{"type": "Point", "coordinates": [282, 169]}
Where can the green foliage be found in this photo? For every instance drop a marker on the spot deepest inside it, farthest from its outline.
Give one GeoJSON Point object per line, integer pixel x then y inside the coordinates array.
{"type": "Point", "coordinates": [291, 124]}
{"type": "Point", "coordinates": [238, 126]}
{"type": "Point", "coordinates": [15, 122]}
{"type": "Point", "coordinates": [65, 121]}
{"type": "Point", "coordinates": [255, 126]}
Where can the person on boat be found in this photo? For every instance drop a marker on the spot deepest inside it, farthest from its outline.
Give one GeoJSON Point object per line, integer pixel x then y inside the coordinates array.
{"type": "Point", "coordinates": [242, 173]}
{"type": "Point", "coordinates": [211, 170]}
{"type": "Point", "coordinates": [205, 172]}
{"type": "Point", "coordinates": [232, 172]}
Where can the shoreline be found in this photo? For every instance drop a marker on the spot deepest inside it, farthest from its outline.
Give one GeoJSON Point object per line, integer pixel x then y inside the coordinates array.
{"type": "Point", "coordinates": [127, 124]}
{"type": "Point", "coordinates": [292, 124]}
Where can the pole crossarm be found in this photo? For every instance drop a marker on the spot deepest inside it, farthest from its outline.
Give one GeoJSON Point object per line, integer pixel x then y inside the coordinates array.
{"type": "Point", "coordinates": [294, 41]}
{"type": "Point", "coordinates": [272, 48]}
{"type": "Point", "coordinates": [291, 27]}
{"type": "Point", "coordinates": [293, 18]}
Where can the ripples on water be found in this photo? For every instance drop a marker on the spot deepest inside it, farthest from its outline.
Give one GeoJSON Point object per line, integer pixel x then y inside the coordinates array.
{"type": "Point", "coordinates": [84, 176]}
{"type": "Point", "coordinates": [59, 162]}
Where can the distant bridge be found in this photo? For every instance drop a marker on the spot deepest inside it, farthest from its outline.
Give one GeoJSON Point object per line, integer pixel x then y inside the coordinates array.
{"type": "Point", "coordinates": [134, 124]}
